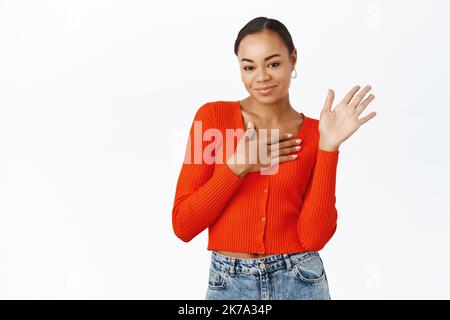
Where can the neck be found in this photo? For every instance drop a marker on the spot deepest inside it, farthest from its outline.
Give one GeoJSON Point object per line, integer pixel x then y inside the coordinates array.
{"type": "Point", "coordinates": [274, 112]}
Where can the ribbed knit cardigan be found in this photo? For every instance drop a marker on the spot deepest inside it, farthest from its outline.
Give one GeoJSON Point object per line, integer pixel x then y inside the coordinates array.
{"type": "Point", "coordinates": [290, 211]}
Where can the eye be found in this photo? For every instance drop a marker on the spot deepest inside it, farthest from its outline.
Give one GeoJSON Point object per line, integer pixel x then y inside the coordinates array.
{"type": "Point", "coordinates": [277, 64]}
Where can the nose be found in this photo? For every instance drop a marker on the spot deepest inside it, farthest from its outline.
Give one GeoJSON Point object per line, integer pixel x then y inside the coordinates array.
{"type": "Point", "coordinates": [262, 75]}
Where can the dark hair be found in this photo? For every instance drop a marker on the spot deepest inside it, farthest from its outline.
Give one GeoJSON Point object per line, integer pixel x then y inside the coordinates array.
{"type": "Point", "coordinates": [260, 24]}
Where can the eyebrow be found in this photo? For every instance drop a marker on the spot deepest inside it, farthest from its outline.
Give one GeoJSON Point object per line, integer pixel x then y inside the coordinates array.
{"type": "Point", "coordinates": [265, 59]}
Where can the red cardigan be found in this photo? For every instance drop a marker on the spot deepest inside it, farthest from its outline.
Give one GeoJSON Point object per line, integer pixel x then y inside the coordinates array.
{"type": "Point", "coordinates": [290, 211]}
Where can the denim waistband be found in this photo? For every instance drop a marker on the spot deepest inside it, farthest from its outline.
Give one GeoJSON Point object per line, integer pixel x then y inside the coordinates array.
{"type": "Point", "coordinates": [255, 265]}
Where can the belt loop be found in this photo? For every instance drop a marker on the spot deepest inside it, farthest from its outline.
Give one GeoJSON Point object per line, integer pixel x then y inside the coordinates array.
{"type": "Point", "coordinates": [288, 261]}
{"type": "Point", "coordinates": [233, 266]}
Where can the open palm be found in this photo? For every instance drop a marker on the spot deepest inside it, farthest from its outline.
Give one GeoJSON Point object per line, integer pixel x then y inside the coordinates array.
{"type": "Point", "coordinates": [337, 125]}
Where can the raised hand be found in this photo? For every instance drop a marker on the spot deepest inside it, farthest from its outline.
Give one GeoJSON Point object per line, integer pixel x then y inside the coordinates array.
{"type": "Point", "coordinates": [337, 125]}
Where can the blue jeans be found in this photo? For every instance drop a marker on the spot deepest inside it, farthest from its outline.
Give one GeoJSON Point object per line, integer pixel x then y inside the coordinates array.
{"type": "Point", "coordinates": [291, 276]}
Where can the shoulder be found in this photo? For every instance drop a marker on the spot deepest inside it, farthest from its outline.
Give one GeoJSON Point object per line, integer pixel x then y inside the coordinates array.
{"type": "Point", "coordinates": [211, 109]}
{"type": "Point", "coordinates": [311, 126]}
{"type": "Point", "coordinates": [313, 122]}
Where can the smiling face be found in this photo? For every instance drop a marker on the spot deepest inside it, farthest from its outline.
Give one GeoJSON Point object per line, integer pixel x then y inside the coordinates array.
{"type": "Point", "coordinates": [264, 62]}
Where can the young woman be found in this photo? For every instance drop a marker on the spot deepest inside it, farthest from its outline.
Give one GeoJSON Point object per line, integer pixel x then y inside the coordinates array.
{"type": "Point", "coordinates": [269, 215]}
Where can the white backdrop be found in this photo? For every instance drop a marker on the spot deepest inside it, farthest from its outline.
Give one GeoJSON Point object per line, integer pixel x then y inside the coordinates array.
{"type": "Point", "coordinates": [96, 102]}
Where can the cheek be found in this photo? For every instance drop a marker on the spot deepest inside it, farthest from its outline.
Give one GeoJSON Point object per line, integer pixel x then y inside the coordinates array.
{"type": "Point", "coordinates": [246, 80]}
{"type": "Point", "coordinates": [284, 80]}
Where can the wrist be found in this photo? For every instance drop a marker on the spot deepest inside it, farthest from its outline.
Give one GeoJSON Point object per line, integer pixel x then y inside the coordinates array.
{"type": "Point", "coordinates": [327, 146]}
{"type": "Point", "coordinates": [239, 169]}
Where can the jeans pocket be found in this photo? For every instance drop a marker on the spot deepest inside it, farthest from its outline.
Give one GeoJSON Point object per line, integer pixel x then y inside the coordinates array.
{"type": "Point", "coordinates": [217, 279]}
{"type": "Point", "coordinates": [311, 270]}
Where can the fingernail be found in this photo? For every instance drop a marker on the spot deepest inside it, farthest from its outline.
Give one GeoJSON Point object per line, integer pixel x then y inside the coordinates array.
{"type": "Point", "coordinates": [298, 140]}
{"type": "Point", "coordinates": [289, 135]}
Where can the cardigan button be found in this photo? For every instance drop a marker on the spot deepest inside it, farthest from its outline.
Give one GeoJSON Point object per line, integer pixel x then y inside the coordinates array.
{"type": "Point", "coordinates": [265, 190]}
{"type": "Point", "coordinates": [263, 219]}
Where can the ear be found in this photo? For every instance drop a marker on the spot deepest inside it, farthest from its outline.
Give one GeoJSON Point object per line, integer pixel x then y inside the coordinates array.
{"type": "Point", "coordinates": [294, 57]}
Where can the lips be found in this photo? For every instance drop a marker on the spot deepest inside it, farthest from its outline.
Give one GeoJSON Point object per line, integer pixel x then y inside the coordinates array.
{"type": "Point", "coordinates": [265, 88]}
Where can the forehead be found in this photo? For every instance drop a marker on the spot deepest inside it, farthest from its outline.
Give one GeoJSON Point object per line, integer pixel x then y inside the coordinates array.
{"type": "Point", "coordinates": [259, 45]}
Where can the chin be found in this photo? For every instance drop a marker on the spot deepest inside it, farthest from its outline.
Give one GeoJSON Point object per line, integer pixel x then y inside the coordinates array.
{"type": "Point", "coordinates": [266, 99]}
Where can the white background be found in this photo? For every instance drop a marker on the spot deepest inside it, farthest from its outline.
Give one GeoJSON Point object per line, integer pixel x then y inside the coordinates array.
{"type": "Point", "coordinates": [96, 102]}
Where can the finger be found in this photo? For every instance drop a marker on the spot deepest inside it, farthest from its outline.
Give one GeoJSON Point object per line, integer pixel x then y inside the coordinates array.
{"type": "Point", "coordinates": [359, 109]}
{"type": "Point", "coordinates": [285, 144]}
{"type": "Point", "coordinates": [290, 150]}
{"type": "Point", "coordinates": [367, 118]}
{"type": "Point", "coordinates": [350, 94]}
{"type": "Point", "coordinates": [359, 96]}
{"type": "Point", "coordinates": [275, 139]}
{"type": "Point", "coordinates": [275, 161]}
{"type": "Point", "coordinates": [250, 132]}
{"type": "Point", "coordinates": [278, 159]}
{"type": "Point", "coordinates": [328, 101]}
{"type": "Point", "coordinates": [288, 158]}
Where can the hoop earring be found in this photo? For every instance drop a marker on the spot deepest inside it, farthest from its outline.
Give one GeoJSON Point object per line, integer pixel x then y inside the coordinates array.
{"type": "Point", "coordinates": [295, 74]}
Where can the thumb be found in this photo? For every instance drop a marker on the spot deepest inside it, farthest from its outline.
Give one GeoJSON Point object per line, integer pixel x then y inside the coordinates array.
{"type": "Point", "coordinates": [329, 101]}
{"type": "Point", "coordinates": [250, 132]}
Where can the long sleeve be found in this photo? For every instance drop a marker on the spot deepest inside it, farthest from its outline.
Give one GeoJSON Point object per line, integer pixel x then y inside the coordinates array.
{"type": "Point", "coordinates": [317, 221]}
{"type": "Point", "coordinates": [204, 187]}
